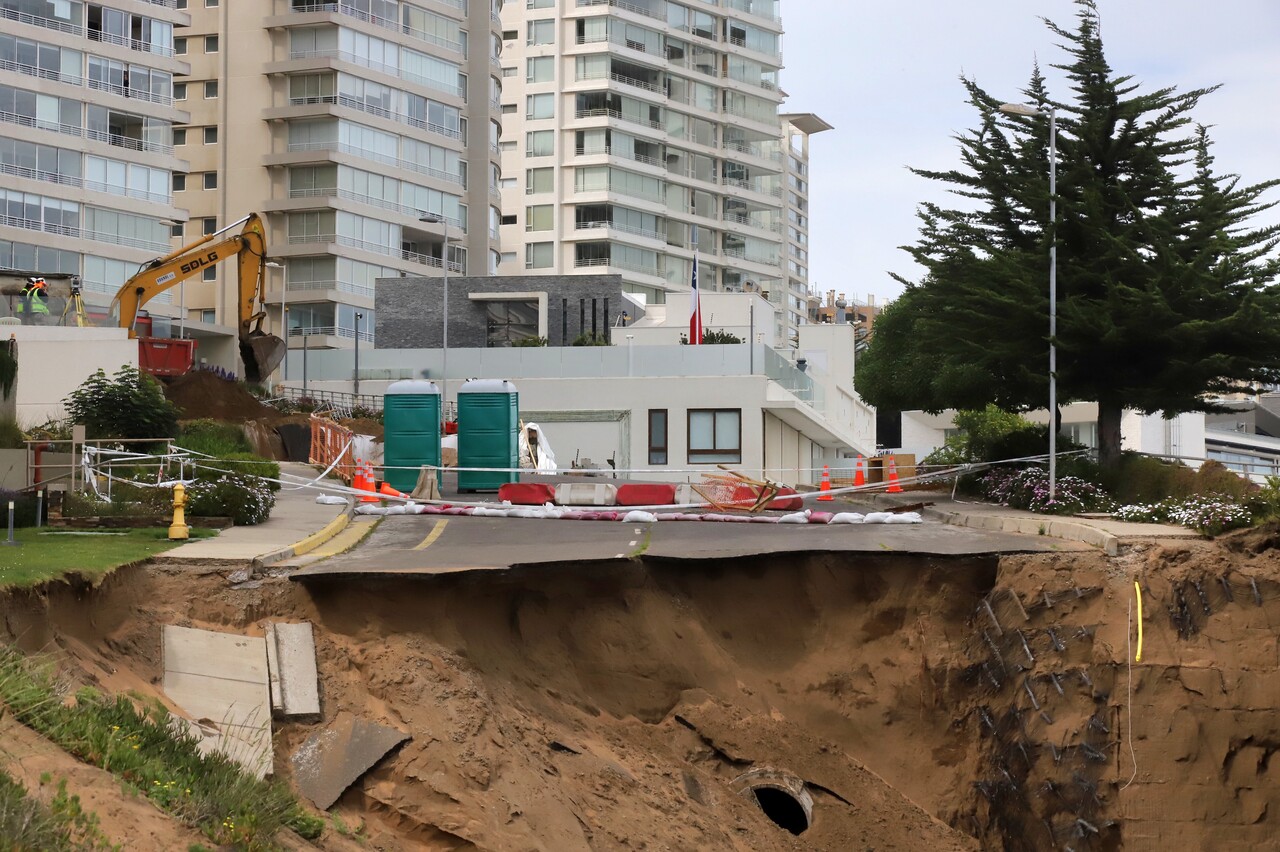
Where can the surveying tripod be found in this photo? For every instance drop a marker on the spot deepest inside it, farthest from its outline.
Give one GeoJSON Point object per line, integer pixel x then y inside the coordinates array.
{"type": "Point", "coordinates": [75, 303]}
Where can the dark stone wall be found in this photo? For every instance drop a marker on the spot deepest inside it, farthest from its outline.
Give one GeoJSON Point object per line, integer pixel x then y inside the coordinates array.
{"type": "Point", "coordinates": [410, 311]}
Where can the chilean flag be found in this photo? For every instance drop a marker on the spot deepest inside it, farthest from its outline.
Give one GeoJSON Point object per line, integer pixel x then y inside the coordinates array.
{"type": "Point", "coordinates": [695, 308]}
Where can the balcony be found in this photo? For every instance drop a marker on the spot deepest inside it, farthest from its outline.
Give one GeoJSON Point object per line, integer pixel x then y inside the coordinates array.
{"type": "Point", "coordinates": [42, 73]}
{"type": "Point", "coordinates": [659, 14]}
{"type": "Point", "coordinates": [408, 165]}
{"type": "Point", "coordinates": [375, 248]}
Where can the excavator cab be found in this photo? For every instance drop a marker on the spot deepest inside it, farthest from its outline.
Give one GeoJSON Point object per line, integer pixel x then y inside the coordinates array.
{"type": "Point", "coordinates": [260, 351]}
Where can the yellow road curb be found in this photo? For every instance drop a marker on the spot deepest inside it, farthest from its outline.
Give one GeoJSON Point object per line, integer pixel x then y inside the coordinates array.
{"type": "Point", "coordinates": [327, 532]}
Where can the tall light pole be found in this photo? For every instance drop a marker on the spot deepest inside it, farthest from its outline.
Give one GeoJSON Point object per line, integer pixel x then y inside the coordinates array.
{"type": "Point", "coordinates": [1052, 114]}
{"type": "Point", "coordinates": [356, 372]}
{"type": "Point", "coordinates": [284, 326]}
{"type": "Point", "coordinates": [437, 219]}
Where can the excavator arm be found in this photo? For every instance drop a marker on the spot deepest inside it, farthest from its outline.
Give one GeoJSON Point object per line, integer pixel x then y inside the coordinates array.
{"type": "Point", "coordinates": [260, 351]}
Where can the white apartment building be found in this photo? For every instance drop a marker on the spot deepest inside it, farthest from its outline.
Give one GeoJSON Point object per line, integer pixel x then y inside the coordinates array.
{"type": "Point", "coordinates": [364, 130]}
{"type": "Point", "coordinates": [794, 307]}
{"type": "Point", "coordinates": [631, 129]}
{"type": "Point", "coordinates": [86, 137]}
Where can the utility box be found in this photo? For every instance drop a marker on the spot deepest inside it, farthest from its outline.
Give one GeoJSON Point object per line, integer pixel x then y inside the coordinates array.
{"type": "Point", "coordinates": [411, 437]}
{"type": "Point", "coordinates": [488, 434]}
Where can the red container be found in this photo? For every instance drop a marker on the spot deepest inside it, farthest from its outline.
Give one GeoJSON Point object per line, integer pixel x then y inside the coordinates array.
{"type": "Point", "coordinates": [527, 493]}
{"type": "Point", "coordinates": [646, 495]}
{"type": "Point", "coordinates": [162, 356]}
{"type": "Point", "coordinates": [787, 500]}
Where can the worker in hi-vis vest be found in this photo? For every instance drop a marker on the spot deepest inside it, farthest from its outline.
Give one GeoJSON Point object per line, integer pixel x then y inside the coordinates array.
{"type": "Point", "coordinates": [35, 302]}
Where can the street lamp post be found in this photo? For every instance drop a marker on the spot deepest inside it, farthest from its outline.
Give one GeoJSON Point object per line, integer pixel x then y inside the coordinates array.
{"type": "Point", "coordinates": [1052, 114]}
{"type": "Point", "coordinates": [437, 219]}
{"type": "Point", "coordinates": [356, 371]}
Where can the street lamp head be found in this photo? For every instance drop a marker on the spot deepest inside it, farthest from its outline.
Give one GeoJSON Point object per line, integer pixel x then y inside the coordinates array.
{"type": "Point", "coordinates": [1022, 109]}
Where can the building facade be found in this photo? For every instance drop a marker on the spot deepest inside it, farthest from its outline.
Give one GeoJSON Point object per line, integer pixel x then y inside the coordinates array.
{"type": "Point", "coordinates": [366, 132]}
{"type": "Point", "coordinates": [86, 137]}
{"type": "Point", "coordinates": [640, 134]}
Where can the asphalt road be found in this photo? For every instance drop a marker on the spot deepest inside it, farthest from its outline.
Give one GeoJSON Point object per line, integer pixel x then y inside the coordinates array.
{"type": "Point", "coordinates": [435, 545]}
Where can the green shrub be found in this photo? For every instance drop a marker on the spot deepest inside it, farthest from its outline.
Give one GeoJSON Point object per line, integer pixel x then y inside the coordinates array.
{"type": "Point", "coordinates": [991, 434]}
{"type": "Point", "coordinates": [213, 438]}
{"type": "Point", "coordinates": [246, 500]}
{"type": "Point", "coordinates": [130, 404]}
{"type": "Point", "coordinates": [530, 341]}
{"type": "Point", "coordinates": [589, 339]}
{"type": "Point", "coordinates": [244, 464]}
{"type": "Point", "coordinates": [11, 436]}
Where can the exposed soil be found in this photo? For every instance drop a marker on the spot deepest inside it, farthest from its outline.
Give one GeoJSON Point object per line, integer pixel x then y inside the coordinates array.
{"type": "Point", "coordinates": [924, 703]}
{"type": "Point", "coordinates": [200, 394]}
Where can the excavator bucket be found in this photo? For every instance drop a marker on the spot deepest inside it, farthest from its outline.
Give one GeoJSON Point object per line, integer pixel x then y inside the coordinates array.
{"type": "Point", "coordinates": [261, 353]}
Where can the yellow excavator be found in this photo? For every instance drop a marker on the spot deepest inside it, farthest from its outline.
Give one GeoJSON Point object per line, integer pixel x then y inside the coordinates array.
{"type": "Point", "coordinates": [260, 351]}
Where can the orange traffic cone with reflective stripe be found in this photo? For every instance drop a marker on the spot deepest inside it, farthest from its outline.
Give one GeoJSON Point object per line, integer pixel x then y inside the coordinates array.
{"type": "Point", "coordinates": [357, 477]}
{"type": "Point", "coordinates": [825, 486]}
{"type": "Point", "coordinates": [388, 491]}
{"type": "Point", "coordinates": [372, 496]}
{"type": "Point", "coordinates": [894, 487]}
{"type": "Point", "coordinates": [859, 478]}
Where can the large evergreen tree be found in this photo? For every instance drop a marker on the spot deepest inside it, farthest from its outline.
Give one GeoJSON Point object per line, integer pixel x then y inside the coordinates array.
{"type": "Point", "coordinates": [1166, 293]}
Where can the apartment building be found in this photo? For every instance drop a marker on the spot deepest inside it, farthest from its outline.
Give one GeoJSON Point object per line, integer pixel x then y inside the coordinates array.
{"type": "Point", "coordinates": [365, 130]}
{"type": "Point", "coordinates": [637, 134]}
{"type": "Point", "coordinates": [86, 137]}
{"type": "Point", "coordinates": [797, 129]}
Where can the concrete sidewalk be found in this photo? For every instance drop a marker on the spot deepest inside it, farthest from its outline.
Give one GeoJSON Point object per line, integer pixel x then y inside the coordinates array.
{"type": "Point", "coordinates": [297, 525]}
{"type": "Point", "coordinates": [1102, 533]}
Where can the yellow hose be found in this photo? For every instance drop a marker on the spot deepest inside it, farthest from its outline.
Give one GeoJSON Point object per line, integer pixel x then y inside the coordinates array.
{"type": "Point", "coordinates": [1137, 590]}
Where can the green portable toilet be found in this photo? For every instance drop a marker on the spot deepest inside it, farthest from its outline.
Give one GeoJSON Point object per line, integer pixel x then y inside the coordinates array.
{"type": "Point", "coordinates": [488, 433]}
{"type": "Point", "coordinates": [411, 431]}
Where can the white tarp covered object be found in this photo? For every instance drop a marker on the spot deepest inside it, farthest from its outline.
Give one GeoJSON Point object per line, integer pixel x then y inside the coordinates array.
{"type": "Point", "coordinates": [535, 449]}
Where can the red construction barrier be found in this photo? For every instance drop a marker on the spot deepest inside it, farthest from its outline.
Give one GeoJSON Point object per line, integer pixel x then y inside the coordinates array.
{"type": "Point", "coordinates": [657, 494]}
{"type": "Point", "coordinates": [527, 493]}
{"type": "Point", "coordinates": [787, 500]}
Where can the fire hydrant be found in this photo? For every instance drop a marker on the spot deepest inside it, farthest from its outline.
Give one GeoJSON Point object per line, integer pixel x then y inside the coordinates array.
{"type": "Point", "coordinates": [179, 530]}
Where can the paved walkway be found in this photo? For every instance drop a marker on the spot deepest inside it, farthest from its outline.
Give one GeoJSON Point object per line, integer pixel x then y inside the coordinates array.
{"type": "Point", "coordinates": [297, 524]}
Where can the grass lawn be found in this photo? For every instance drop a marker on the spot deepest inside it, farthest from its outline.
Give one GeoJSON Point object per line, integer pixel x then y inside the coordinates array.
{"type": "Point", "coordinates": [46, 553]}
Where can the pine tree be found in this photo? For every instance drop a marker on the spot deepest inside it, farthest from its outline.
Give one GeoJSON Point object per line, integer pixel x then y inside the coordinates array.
{"type": "Point", "coordinates": [1165, 291]}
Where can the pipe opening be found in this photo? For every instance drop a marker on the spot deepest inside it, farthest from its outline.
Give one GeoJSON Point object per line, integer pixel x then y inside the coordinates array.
{"type": "Point", "coordinates": [783, 808]}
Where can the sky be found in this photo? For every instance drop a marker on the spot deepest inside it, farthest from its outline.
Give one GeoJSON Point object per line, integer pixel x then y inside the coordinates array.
{"type": "Point", "coordinates": [886, 75]}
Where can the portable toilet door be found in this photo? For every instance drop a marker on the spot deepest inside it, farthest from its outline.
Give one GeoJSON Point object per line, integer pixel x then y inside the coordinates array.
{"type": "Point", "coordinates": [488, 434]}
{"type": "Point", "coordinates": [411, 432]}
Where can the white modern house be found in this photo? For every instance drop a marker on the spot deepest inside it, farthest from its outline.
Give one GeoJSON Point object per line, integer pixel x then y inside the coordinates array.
{"type": "Point", "coordinates": [55, 360]}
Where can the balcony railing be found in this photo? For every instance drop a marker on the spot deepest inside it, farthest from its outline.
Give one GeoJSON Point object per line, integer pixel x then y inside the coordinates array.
{"type": "Point", "coordinates": [656, 14]}
{"type": "Point", "coordinates": [42, 73]}
{"type": "Point", "coordinates": [375, 248]}
{"type": "Point", "coordinates": [387, 23]}
{"type": "Point", "coordinates": [374, 65]}
{"type": "Point", "coordinates": [132, 93]}
{"type": "Point", "coordinates": [410, 165]}
{"type": "Point", "coordinates": [373, 109]}
{"type": "Point", "coordinates": [617, 226]}
{"type": "Point", "coordinates": [585, 151]}
{"type": "Point", "coordinates": [81, 233]}
{"type": "Point", "coordinates": [132, 44]}
{"type": "Point", "coordinates": [39, 21]}
{"type": "Point", "coordinates": [618, 114]}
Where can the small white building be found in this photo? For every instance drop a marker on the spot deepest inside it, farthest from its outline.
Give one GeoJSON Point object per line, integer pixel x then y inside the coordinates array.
{"type": "Point", "coordinates": [55, 360]}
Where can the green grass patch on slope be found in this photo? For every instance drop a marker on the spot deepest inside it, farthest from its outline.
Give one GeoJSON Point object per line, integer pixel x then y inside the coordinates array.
{"type": "Point", "coordinates": [154, 756]}
{"type": "Point", "coordinates": [60, 826]}
{"type": "Point", "coordinates": [45, 553]}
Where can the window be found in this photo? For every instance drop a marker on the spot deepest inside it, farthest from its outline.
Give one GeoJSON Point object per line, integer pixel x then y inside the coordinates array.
{"type": "Point", "coordinates": [210, 225]}
{"type": "Point", "coordinates": [509, 72]}
{"type": "Point", "coordinates": [211, 4]}
{"type": "Point", "coordinates": [209, 316]}
{"type": "Point", "coordinates": [539, 255]}
{"type": "Point", "coordinates": [542, 32]}
{"type": "Point", "coordinates": [508, 219]}
{"type": "Point", "coordinates": [541, 4]}
{"type": "Point", "coordinates": [210, 273]}
{"type": "Point", "coordinates": [210, 180]}
{"type": "Point", "coordinates": [657, 436]}
{"type": "Point", "coordinates": [508, 35]}
{"type": "Point", "coordinates": [210, 89]}
{"type": "Point", "coordinates": [538, 217]}
{"type": "Point", "coordinates": [540, 69]}
{"type": "Point", "coordinates": [210, 135]}
{"type": "Point", "coordinates": [508, 109]}
{"type": "Point", "coordinates": [177, 230]}
{"type": "Point", "coordinates": [715, 435]}
{"type": "Point", "coordinates": [211, 44]}
{"type": "Point", "coordinates": [180, 136]}
{"type": "Point", "coordinates": [508, 322]}
{"type": "Point", "coordinates": [180, 46]}
{"type": "Point", "coordinates": [540, 106]}
{"type": "Point", "coordinates": [179, 182]}
{"type": "Point", "coordinates": [538, 180]}
{"type": "Point", "coordinates": [539, 143]}
{"type": "Point", "coordinates": [179, 91]}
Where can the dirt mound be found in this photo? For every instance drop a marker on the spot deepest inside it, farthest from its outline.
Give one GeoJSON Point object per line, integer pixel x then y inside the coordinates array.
{"type": "Point", "coordinates": [200, 394]}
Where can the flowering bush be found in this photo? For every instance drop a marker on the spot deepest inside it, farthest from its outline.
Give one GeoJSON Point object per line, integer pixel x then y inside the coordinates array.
{"type": "Point", "coordinates": [1028, 488]}
{"type": "Point", "coordinates": [246, 500]}
{"type": "Point", "coordinates": [1210, 514]}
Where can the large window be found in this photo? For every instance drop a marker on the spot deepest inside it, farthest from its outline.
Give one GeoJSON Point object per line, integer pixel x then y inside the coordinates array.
{"type": "Point", "coordinates": [540, 106]}
{"type": "Point", "coordinates": [538, 69]}
{"type": "Point", "coordinates": [510, 322]}
{"type": "Point", "coordinates": [538, 180]}
{"type": "Point", "coordinates": [542, 32]}
{"type": "Point", "coordinates": [539, 143]}
{"type": "Point", "coordinates": [715, 435]}
{"type": "Point", "coordinates": [538, 217]}
{"type": "Point", "coordinates": [657, 436]}
{"type": "Point", "coordinates": [539, 255]}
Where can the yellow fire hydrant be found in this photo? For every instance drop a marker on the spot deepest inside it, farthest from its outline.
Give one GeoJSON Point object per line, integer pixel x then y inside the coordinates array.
{"type": "Point", "coordinates": [179, 530]}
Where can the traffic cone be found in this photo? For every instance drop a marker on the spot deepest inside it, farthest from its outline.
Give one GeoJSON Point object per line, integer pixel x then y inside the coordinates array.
{"type": "Point", "coordinates": [372, 496]}
{"type": "Point", "coordinates": [825, 486]}
{"type": "Point", "coordinates": [894, 487]}
{"type": "Point", "coordinates": [357, 477]}
{"type": "Point", "coordinates": [859, 479]}
{"type": "Point", "coordinates": [387, 490]}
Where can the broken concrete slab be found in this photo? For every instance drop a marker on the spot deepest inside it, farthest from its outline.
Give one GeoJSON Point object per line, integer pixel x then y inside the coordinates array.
{"type": "Point", "coordinates": [333, 759]}
{"type": "Point", "coordinates": [291, 662]}
{"type": "Point", "coordinates": [220, 680]}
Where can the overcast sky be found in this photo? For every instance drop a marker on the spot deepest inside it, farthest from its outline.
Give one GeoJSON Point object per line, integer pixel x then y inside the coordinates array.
{"type": "Point", "coordinates": [886, 75]}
